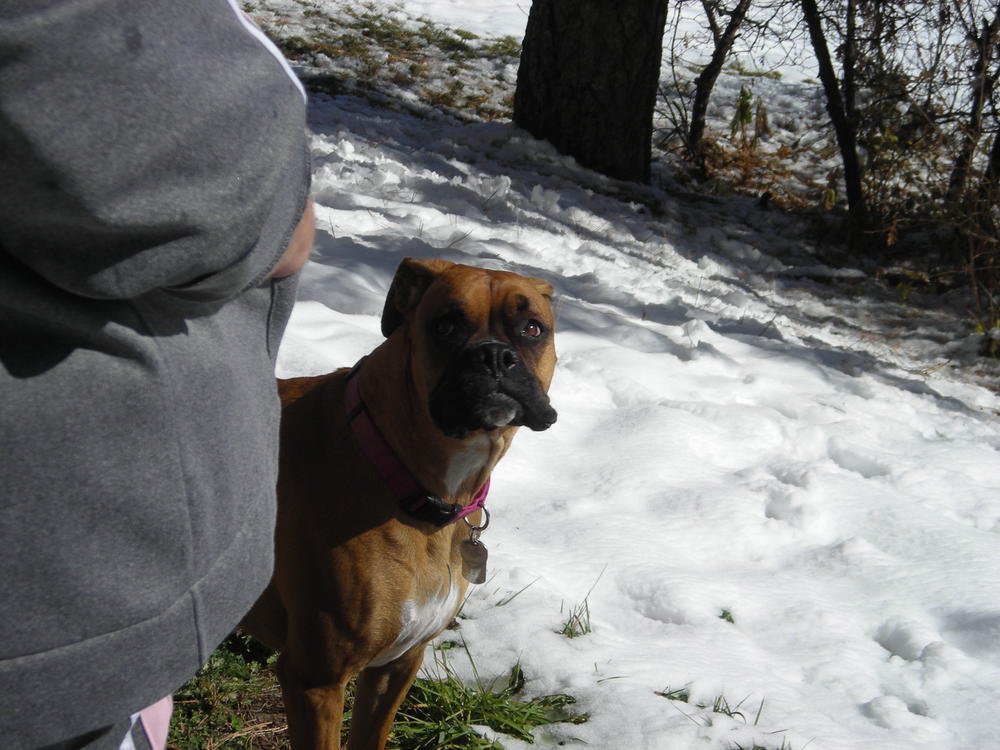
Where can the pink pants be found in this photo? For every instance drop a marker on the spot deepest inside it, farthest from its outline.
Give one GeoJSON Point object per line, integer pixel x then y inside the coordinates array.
{"type": "Point", "coordinates": [154, 722]}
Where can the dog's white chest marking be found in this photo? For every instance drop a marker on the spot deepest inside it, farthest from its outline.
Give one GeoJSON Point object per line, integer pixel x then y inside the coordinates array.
{"type": "Point", "coordinates": [419, 621]}
{"type": "Point", "coordinates": [470, 460]}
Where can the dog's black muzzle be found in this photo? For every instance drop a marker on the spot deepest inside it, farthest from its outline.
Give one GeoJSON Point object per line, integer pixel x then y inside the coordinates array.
{"type": "Point", "coordinates": [486, 386]}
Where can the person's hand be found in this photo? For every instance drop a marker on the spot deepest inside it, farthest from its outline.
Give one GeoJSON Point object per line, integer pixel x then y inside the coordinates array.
{"type": "Point", "coordinates": [297, 252]}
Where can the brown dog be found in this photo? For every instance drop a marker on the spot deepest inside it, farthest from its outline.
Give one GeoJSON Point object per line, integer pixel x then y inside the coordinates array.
{"type": "Point", "coordinates": [377, 466]}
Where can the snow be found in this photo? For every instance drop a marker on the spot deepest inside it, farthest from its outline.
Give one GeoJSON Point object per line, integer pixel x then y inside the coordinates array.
{"type": "Point", "coordinates": [493, 19]}
{"type": "Point", "coordinates": [763, 488]}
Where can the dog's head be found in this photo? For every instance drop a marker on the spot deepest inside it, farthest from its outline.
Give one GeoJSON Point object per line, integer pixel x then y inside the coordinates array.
{"type": "Point", "coordinates": [483, 341]}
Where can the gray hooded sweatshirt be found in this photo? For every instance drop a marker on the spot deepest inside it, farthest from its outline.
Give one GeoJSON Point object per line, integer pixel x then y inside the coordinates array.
{"type": "Point", "coordinates": [153, 165]}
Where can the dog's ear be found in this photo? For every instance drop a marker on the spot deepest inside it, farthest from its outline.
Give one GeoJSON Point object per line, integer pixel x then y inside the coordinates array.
{"type": "Point", "coordinates": [408, 286]}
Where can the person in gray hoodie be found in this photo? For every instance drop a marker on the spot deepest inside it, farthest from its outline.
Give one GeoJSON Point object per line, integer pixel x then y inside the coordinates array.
{"type": "Point", "coordinates": [154, 179]}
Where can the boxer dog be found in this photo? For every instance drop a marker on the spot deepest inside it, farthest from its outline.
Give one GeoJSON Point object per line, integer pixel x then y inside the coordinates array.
{"type": "Point", "coordinates": [384, 472]}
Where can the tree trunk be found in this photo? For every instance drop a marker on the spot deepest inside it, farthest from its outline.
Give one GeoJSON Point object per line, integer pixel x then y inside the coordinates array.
{"type": "Point", "coordinates": [845, 130]}
{"type": "Point", "coordinates": [982, 88]}
{"type": "Point", "coordinates": [588, 80]}
{"type": "Point", "coordinates": [707, 78]}
{"type": "Point", "coordinates": [850, 86]}
{"type": "Point", "coordinates": [987, 195]}
{"type": "Point", "coordinates": [991, 178]}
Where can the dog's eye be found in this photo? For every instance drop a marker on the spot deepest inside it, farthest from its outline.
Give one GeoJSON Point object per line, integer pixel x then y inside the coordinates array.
{"type": "Point", "coordinates": [444, 328]}
{"type": "Point", "coordinates": [532, 329]}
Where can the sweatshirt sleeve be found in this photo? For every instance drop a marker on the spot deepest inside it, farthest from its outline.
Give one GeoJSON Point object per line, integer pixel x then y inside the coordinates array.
{"type": "Point", "coordinates": [146, 145]}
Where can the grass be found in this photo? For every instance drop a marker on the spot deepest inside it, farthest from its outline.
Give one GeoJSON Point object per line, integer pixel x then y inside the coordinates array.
{"type": "Point", "coordinates": [722, 707]}
{"type": "Point", "coordinates": [505, 46]}
{"type": "Point", "coordinates": [578, 623]}
{"type": "Point", "coordinates": [441, 710]}
{"type": "Point", "coordinates": [738, 68]}
{"type": "Point", "coordinates": [366, 48]}
{"type": "Point", "coordinates": [719, 706]}
{"type": "Point", "coordinates": [234, 703]}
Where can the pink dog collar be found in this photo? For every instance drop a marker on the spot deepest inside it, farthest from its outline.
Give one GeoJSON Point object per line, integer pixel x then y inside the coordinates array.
{"type": "Point", "coordinates": [412, 497]}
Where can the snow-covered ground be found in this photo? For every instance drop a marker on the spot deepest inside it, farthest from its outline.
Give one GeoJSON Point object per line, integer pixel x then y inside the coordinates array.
{"type": "Point", "coordinates": [765, 489]}
{"type": "Point", "coordinates": [483, 17]}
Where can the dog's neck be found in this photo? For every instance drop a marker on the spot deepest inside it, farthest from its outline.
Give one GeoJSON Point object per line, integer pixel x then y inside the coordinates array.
{"type": "Point", "coordinates": [452, 469]}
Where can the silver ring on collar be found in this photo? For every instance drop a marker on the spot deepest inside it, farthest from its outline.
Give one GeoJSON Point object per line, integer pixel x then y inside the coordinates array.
{"type": "Point", "coordinates": [478, 529]}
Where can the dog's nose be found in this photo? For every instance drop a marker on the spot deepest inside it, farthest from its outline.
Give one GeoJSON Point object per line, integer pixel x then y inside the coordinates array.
{"type": "Point", "coordinates": [496, 357]}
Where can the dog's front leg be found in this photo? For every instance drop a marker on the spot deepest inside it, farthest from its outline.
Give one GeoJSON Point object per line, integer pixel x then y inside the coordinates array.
{"type": "Point", "coordinates": [314, 712]}
{"type": "Point", "coordinates": [380, 691]}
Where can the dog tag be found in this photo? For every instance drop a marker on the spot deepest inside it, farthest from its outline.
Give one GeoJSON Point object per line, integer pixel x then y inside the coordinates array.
{"type": "Point", "coordinates": [474, 561]}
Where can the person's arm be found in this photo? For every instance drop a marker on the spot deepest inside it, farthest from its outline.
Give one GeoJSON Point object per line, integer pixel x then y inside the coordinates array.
{"type": "Point", "coordinates": [148, 145]}
{"type": "Point", "coordinates": [297, 253]}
